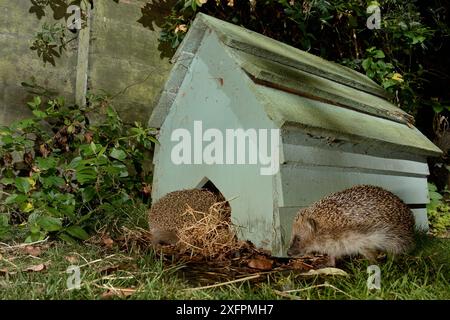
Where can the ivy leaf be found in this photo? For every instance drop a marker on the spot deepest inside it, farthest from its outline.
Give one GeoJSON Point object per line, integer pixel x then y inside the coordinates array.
{"type": "Point", "coordinates": [438, 108]}
{"type": "Point", "coordinates": [7, 181]}
{"type": "Point", "coordinates": [35, 237]}
{"type": "Point", "coordinates": [85, 174]}
{"type": "Point", "coordinates": [118, 169]}
{"type": "Point", "coordinates": [366, 63]}
{"type": "Point", "coordinates": [23, 124]}
{"type": "Point", "coordinates": [435, 195]}
{"type": "Point", "coordinates": [46, 163]}
{"type": "Point", "coordinates": [35, 103]}
{"type": "Point", "coordinates": [23, 184]}
{"type": "Point", "coordinates": [16, 198]}
{"type": "Point", "coordinates": [49, 223]}
{"type": "Point", "coordinates": [379, 54]}
{"type": "Point", "coordinates": [77, 232]}
{"type": "Point", "coordinates": [39, 114]}
{"type": "Point", "coordinates": [118, 154]}
{"type": "Point", "coordinates": [7, 139]}
{"type": "Point", "coordinates": [48, 182]}
{"type": "Point", "coordinates": [65, 237]}
{"type": "Point", "coordinates": [88, 194]}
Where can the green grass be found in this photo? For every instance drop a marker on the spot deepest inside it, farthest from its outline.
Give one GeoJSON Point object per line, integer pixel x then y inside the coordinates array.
{"type": "Point", "coordinates": [424, 274]}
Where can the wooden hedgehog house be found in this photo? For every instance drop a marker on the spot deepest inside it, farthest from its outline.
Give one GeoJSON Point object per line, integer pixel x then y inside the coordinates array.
{"type": "Point", "coordinates": [335, 129]}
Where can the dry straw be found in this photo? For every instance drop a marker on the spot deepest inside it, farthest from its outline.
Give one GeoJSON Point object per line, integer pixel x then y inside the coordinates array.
{"type": "Point", "coordinates": [211, 235]}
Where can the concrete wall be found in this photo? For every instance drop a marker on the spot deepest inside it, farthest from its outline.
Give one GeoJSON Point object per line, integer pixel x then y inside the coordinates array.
{"type": "Point", "coordinates": [19, 63]}
{"type": "Point", "coordinates": [118, 52]}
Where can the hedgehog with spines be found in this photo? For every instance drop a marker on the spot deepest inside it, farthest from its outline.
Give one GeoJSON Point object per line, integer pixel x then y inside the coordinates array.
{"type": "Point", "coordinates": [361, 220]}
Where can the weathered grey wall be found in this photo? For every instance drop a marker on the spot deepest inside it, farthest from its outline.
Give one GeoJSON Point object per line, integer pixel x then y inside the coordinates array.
{"type": "Point", "coordinates": [119, 53]}
{"type": "Point", "coordinates": [19, 63]}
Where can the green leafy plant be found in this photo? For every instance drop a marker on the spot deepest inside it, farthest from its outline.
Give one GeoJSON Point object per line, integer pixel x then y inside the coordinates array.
{"type": "Point", "coordinates": [65, 168]}
{"type": "Point", "coordinates": [376, 68]}
{"type": "Point", "coordinates": [50, 42]}
{"type": "Point", "coordinates": [438, 212]}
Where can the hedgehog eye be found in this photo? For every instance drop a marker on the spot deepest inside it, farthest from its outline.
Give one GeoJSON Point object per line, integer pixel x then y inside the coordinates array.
{"type": "Point", "coordinates": [296, 239]}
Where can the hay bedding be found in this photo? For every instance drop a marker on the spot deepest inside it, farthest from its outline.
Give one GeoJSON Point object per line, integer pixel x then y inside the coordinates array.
{"type": "Point", "coordinates": [201, 221]}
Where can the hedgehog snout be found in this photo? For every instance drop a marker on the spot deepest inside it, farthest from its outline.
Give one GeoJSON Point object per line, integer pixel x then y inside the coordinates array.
{"type": "Point", "coordinates": [295, 247]}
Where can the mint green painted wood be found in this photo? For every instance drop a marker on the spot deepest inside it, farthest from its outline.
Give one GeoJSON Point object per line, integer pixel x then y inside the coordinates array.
{"type": "Point", "coordinates": [258, 45]}
{"type": "Point", "coordinates": [305, 184]}
{"type": "Point", "coordinates": [319, 157]}
{"type": "Point", "coordinates": [318, 118]}
{"type": "Point", "coordinates": [327, 144]}
{"type": "Point", "coordinates": [316, 87]}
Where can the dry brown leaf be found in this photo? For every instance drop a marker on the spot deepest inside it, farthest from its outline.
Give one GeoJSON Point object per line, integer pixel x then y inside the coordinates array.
{"type": "Point", "coordinates": [45, 150]}
{"type": "Point", "coordinates": [89, 136]}
{"type": "Point", "coordinates": [326, 272]}
{"type": "Point", "coordinates": [118, 292]}
{"type": "Point", "coordinates": [146, 189]}
{"type": "Point", "coordinates": [72, 259]}
{"type": "Point", "coordinates": [33, 251]}
{"type": "Point", "coordinates": [261, 263]}
{"type": "Point", "coordinates": [107, 241]}
{"type": "Point", "coordinates": [299, 264]}
{"type": "Point", "coordinates": [36, 268]}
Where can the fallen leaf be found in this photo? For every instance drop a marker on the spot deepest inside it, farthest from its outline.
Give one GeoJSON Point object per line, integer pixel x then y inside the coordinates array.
{"type": "Point", "coordinates": [299, 264]}
{"type": "Point", "coordinates": [326, 272]}
{"type": "Point", "coordinates": [107, 241]}
{"type": "Point", "coordinates": [36, 268]}
{"type": "Point", "coordinates": [118, 292]}
{"type": "Point", "coordinates": [45, 150]}
{"type": "Point", "coordinates": [89, 136]}
{"type": "Point", "coordinates": [146, 189]}
{"type": "Point", "coordinates": [33, 251]}
{"type": "Point", "coordinates": [261, 263]}
{"type": "Point", "coordinates": [72, 259]}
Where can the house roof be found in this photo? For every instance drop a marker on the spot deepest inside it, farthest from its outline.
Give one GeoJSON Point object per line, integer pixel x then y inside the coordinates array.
{"type": "Point", "coordinates": [289, 80]}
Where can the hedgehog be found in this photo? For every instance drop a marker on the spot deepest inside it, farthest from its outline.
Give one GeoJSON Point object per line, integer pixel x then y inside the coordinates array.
{"type": "Point", "coordinates": [169, 214]}
{"type": "Point", "coordinates": [360, 220]}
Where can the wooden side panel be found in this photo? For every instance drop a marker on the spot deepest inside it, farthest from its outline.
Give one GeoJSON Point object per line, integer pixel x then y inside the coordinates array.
{"type": "Point", "coordinates": [317, 156]}
{"type": "Point", "coordinates": [302, 185]}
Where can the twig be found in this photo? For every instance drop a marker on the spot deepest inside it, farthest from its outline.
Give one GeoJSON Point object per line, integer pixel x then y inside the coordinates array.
{"type": "Point", "coordinates": [6, 246]}
{"type": "Point", "coordinates": [95, 261]}
{"type": "Point", "coordinates": [287, 295]}
{"type": "Point", "coordinates": [117, 291]}
{"type": "Point", "coordinates": [73, 252]}
{"type": "Point", "coordinates": [3, 259]}
{"type": "Point", "coordinates": [224, 283]}
{"type": "Point", "coordinates": [326, 284]}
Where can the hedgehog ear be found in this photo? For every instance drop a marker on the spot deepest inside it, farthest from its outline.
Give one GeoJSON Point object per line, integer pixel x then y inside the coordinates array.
{"type": "Point", "coordinates": [312, 225]}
